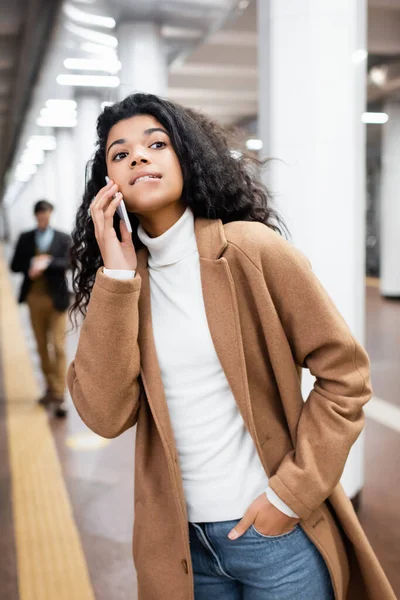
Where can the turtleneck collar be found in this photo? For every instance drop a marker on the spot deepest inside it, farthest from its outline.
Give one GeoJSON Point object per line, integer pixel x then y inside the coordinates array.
{"type": "Point", "coordinates": [178, 242]}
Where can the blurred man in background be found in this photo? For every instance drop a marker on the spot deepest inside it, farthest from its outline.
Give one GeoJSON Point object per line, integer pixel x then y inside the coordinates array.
{"type": "Point", "coordinates": [42, 255]}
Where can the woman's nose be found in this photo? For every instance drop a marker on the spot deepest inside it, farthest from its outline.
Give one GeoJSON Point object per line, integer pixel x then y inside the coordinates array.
{"type": "Point", "coordinates": [138, 160]}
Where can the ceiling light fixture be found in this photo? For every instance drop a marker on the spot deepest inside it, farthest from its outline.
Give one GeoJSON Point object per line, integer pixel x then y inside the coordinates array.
{"type": "Point", "coordinates": [61, 104]}
{"type": "Point", "coordinates": [376, 118]}
{"type": "Point", "coordinates": [56, 121]}
{"type": "Point", "coordinates": [44, 142]}
{"type": "Point", "coordinates": [92, 36]}
{"type": "Point", "coordinates": [254, 144]}
{"type": "Point", "coordinates": [75, 14]}
{"type": "Point", "coordinates": [92, 64]}
{"type": "Point", "coordinates": [50, 113]}
{"type": "Point", "coordinates": [24, 170]}
{"type": "Point", "coordinates": [22, 177]}
{"type": "Point", "coordinates": [378, 75]}
{"type": "Point", "coordinates": [32, 156]}
{"type": "Point", "coordinates": [88, 80]}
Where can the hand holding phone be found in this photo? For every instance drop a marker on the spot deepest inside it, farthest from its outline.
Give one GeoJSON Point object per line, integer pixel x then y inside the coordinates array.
{"type": "Point", "coordinates": [117, 254]}
{"type": "Point", "coordinates": [122, 212]}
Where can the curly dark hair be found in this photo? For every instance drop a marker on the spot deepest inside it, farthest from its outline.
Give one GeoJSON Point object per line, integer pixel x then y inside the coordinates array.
{"type": "Point", "coordinates": [218, 184]}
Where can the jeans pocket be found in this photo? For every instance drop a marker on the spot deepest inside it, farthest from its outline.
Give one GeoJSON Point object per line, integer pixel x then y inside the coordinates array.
{"type": "Point", "coordinates": [274, 537]}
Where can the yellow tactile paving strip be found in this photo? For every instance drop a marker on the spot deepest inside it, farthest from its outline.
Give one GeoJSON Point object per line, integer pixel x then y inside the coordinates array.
{"type": "Point", "coordinates": [372, 282]}
{"type": "Point", "coordinates": [50, 559]}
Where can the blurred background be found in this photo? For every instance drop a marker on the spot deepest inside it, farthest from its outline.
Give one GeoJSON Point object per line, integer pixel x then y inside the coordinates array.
{"type": "Point", "coordinates": [313, 84]}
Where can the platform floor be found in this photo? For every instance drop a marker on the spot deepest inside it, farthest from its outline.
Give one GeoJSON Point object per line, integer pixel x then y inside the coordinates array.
{"type": "Point", "coordinates": [66, 495]}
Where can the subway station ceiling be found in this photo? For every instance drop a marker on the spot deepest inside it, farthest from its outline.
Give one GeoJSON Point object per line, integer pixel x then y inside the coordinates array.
{"type": "Point", "coordinates": [211, 47]}
{"type": "Point", "coordinates": [25, 28]}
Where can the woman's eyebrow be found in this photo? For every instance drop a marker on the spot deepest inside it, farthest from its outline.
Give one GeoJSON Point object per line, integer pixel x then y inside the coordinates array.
{"type": "Point", "coordinates": [147, 132]}
{"type": "Point", "coordinates": [121, 141]}
{"type": "Point", "coordinates": [153, 129]}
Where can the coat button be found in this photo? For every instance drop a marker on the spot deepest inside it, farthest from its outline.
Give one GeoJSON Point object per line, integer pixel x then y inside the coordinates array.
{"type": "Point", "coordinates": [185, 566]}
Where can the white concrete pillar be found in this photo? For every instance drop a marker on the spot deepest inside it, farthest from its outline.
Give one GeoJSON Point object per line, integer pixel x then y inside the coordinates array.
{"type": "Point", "coordinates": [390, 204]}
{"type": "Point", "coordinates": [311, 98]}
{"type": "Point", "coordinates": [142, 53]}
{"type": "Point", "coordinates": [89, 108]}
{"type": "Point", "coordinates": [65, 200]}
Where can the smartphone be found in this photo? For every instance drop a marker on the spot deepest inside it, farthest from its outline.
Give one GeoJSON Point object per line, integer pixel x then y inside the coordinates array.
{"type": "Point", "coordinates": [122, 212]}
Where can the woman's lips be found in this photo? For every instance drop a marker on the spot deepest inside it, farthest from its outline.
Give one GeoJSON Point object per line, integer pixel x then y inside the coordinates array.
{"type": "Point", "coordinates": [145, 177]}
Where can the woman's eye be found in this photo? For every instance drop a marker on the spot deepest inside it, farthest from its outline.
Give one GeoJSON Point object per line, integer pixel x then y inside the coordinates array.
{"type": "Point", "coordinates": [158, 145]}
{"type": "Point", "coordinates": [118, 156]}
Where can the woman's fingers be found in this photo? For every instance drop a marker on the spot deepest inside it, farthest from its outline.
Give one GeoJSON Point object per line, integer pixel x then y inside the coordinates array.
{"type": "Point", "coordinates": [110, 211]}
{"type": "Point", "coordinates": [126, 237]}
{"type": "Point", "coordinates": [100, 204]}
{"type": "Point", "coordinates": [115, 255]}
{"type": "Point", "coordinates": [243, 525]}
{"type": "Point", "coordinates": [104, 197]}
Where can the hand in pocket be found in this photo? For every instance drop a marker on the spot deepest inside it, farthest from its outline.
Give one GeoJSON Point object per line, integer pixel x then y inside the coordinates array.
{"type": "Point", "coordinates": [266, 518]}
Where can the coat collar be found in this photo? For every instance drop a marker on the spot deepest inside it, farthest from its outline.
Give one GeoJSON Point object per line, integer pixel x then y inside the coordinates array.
{"type": "Point", "coordinates": [210, 238]}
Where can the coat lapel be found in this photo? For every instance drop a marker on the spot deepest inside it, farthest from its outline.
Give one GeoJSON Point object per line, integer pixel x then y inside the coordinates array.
{"type": "Point", "coordinates": [222, 312]}
{"type": "Point", "coordinates": [31, 245]}
{"type": "Point", "coordinates": [223, 321]}
{"type": "Point", "coordinates": [150, 369]}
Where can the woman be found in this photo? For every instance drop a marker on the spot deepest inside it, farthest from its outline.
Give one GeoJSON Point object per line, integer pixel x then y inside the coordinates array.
{"type": "Point", "coordinates": [197, 326]}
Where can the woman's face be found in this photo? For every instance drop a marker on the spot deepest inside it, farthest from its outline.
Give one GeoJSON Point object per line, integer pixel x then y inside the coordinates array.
{"type": "Point", "coordinates": [140, 159]}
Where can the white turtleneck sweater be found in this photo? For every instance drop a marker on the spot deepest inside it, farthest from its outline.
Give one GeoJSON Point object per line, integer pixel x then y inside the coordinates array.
{"type": "Point", "coordinates": [221, 471]}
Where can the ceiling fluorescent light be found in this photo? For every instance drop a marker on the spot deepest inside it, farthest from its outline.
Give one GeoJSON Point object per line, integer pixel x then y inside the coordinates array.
{"type": "Point", "coordinates": [21, 178]}
{"type": "Point", "coordinates": [56, 122]}
{"type": "Point", "coordinates": [80, 16]}
{"type": "Point", "coordinates": [88, 80]}
{"type": "Point", "coordinates": [378, 75]}
{"type": "Point", "coordinates": [254, 144]}
{"type": "Point", "coordinates": [61, 104]}
{"type": "Point", "coordinates": [180, 33]}
{"type": "Point", "coordinates": [92, 36]}
{"type": "Point", "coordinates": [34, 156]}
{"type": "Point", "coordinates": [25, 169]}
{"type": "Point", "coordinates": [49, 113]}
{"type": "Point", "coordinates": [378, 118]}
{"type": "Point", "coordinates": [92, 64]}
{"type": "Point", "coordinates": [44, 142]}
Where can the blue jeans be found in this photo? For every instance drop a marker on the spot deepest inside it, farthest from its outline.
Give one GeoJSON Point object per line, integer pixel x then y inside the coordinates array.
{"type": "Point", "coordinates": [256, 567]}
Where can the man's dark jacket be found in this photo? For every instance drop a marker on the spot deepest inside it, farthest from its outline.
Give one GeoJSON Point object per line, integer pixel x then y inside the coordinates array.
{"type": "Point", "coordinates": [55, 273]}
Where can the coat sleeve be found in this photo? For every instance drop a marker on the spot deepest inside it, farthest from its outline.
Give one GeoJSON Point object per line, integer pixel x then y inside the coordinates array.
{"type": "Point", "coordinates": [104, 377]}
{"type": "Point", "coordinates": [21, 260]}
{"type": "Point", "coordinates": [332, 417]}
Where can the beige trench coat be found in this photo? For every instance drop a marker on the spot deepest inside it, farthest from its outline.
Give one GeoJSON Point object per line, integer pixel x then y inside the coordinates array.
{"type": "Point", "coordinates": [268, 316]}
